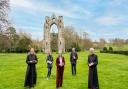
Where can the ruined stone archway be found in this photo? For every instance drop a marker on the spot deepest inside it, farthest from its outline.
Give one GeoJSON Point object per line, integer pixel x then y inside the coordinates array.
{"type": "Point", "coordinates": [58, 21]}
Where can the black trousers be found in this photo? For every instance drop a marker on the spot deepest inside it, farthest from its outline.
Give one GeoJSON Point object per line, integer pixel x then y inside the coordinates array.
{"type": "Point", "coordinates": [73, 69]}
{"type": "Point", "coordinates": [49, 72]}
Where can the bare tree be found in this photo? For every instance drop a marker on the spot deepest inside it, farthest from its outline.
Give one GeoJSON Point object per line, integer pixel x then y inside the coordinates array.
{"type": "Point", "coordinates": [24, 41]}
{"type": "Point", "coordinates": [13, 36]}
{"type": "Point", "coordinates": [70, 36]}
{"type": "Point", "coordinates": [4, 8]}
{"type": "Point", "coordinates": [126, 41]}
{"type": "Point", "coordinates": [86, 43]}
{"type": "Point", "coordinates": [75, 39]}
{"type": "Point", "coordinates": [118, 42]}
{"type": "Point", "coordinates": [54, 41]}
{"type": "Point", "coordinates": [102, 43]}
{"type": "Point", "coordinates": [5, 42]}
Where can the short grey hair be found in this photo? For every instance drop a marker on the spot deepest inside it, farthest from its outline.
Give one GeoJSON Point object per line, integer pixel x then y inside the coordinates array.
{"type": "Point", "coordinates": [73, 49]}
{"type": "Point", "coordinates": [92, 50]}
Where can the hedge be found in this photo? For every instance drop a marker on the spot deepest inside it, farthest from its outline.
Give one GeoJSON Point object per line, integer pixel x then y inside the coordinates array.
{"type": "Point", "coordinates": [115, 52]}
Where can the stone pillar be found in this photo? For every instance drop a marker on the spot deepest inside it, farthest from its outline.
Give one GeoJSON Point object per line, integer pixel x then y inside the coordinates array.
{"type": "Point", "coordinates": [47, 26]}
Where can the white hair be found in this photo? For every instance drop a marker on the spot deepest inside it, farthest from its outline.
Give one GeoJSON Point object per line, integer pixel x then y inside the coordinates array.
{"type": "Point", "coordinates": [73, 49]}
{"type": "Point", "coordinates": [92, 50]}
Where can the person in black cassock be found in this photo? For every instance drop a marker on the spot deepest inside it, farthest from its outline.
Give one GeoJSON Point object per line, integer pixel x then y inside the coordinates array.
{"type": "Point", "coordinates": [49, 61]}
{"type": "Point", "coordinates": [93, 76]}
{"type": "Point", "coordinates": [73, 61]}
{"type": "Point", "coordinates": [31, 75]}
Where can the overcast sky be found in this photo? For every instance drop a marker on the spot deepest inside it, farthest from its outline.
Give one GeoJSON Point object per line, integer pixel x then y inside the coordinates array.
{"type": "Point", "coordinates": [100, 18]}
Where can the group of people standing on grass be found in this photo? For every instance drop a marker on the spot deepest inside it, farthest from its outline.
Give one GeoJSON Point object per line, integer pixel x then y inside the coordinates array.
{"type": "Point", "coordinates": [31, 74]}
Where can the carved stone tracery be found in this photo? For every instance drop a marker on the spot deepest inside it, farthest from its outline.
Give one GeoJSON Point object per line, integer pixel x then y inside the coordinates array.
{"type": "Point", "coordinates": [58, 21]}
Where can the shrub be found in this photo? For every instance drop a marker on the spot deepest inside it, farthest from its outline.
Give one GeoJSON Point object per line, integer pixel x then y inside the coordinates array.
{"type": "Point", "coordinates": [105, 49]}
{"type": "Point", "coordinates": [115, 52]}
{"type": "Point", "coordinates": [110, 49]}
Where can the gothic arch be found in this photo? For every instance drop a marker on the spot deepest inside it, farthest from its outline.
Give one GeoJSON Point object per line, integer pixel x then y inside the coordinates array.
{"type": "Point", "coordinates": [58, 21]}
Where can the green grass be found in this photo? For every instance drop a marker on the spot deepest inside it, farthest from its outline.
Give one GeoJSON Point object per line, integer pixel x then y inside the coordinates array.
{"type": "Point", "coordinates": [112, 71]}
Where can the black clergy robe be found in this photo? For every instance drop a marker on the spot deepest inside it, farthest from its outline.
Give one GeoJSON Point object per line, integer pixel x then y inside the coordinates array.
{"type": "Point", "coordinates": [31, 75]}
{"type": "Point", "coordinates": [93, 76]}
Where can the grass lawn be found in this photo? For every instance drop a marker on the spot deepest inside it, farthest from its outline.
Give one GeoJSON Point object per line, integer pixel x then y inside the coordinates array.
{"type": "Point", "coordinates": [112, 71]}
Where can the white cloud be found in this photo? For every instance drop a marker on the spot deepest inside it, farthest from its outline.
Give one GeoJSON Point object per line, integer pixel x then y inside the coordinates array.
{"type": "Point", "coordinates": [118, 2]}
{"type": "Point", "coordinates": [34, 32]}
{"type": "Point", "coordinates": [22, 3]}
{"type": "Point", "coordinates": [75, 12]}
{"type": "Point", "coordinates": [110, 20]}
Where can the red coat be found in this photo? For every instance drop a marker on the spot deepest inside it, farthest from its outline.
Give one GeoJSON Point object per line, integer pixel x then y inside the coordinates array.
{"type": "Point", "coordinates": [60, 71]}
{"type": "Point", "coordinates": [58, 62]}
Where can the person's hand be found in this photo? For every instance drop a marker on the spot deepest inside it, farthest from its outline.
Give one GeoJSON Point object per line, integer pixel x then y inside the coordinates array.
{"type": "Point", "coordinates": [74, 57]}
{"type": "Point", "coordinates": [61, 64]}
{"type": "Point", "coordinates": [50, 62]}
{"type": "Point", "coordinates": [90, 64]}
{"type": "Point", "coordinates": [35, 61]}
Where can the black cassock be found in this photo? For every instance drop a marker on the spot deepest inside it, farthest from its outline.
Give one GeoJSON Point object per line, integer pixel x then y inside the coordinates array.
{"type": "Point", "coordinates": [31, 75]}
{"type": "Point", "coordinates": [93, 76]}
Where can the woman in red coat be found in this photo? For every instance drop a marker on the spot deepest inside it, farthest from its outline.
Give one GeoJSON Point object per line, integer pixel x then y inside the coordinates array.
{"type": "Point", "coordinates": [60, 62]}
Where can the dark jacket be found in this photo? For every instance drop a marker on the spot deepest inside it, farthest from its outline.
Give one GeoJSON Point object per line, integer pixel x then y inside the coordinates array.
{"type": "Point", "coordinates": [49, 58]}
{"type": "Point", "coordinates": [72, 59]}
